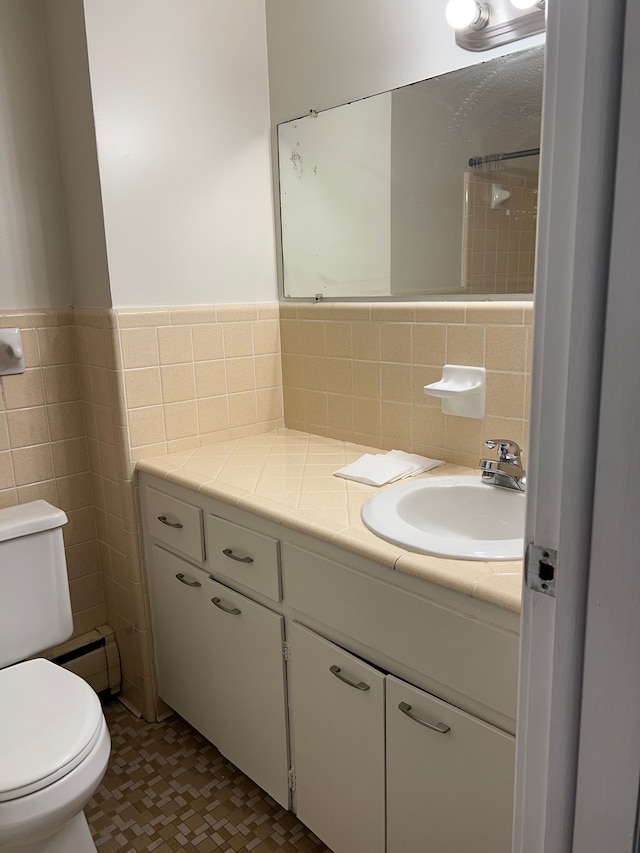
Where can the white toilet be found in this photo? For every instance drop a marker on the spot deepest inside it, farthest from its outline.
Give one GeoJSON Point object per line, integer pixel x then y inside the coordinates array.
{"type": "Point", "coordinates": [54, 742]}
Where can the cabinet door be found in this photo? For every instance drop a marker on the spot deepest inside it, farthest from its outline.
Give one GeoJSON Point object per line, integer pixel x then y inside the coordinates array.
{"type": "Point", "coordinates": [178, 606]}
{"type": "Point", "coordinates": [447, 792]}
{"type": "Point", "coordinates": [220, 666]}
{"type": "Point", "coordinates": [242, 646]}
{"type": "Point", "coordinates": [337, 711]}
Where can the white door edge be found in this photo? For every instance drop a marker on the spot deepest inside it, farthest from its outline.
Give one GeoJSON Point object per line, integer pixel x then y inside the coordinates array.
{"type": "Point", "coordinates": [577, 173]}
{"type": "Point", "coordinates": [606, 815]}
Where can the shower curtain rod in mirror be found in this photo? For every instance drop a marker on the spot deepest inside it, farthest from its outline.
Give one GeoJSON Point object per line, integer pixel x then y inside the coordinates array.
{"type": "Point", "coordinates": [489, 161]}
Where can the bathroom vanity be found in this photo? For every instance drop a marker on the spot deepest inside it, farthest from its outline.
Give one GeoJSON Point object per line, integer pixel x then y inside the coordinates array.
{"type": "Point", "coordinates": [370, 690]}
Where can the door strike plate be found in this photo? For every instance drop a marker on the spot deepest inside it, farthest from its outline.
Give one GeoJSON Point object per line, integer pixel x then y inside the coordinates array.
{"type": "Point", "coordinates": [540, 569]}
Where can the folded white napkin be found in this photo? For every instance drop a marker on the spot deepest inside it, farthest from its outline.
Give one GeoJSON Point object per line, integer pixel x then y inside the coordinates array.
{"type": "Point", "coordinates": [377, 469]}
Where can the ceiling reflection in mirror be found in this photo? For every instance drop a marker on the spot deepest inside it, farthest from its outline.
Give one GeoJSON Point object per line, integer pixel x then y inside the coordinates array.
{"type": "Point", "coordinates": [427, 190]}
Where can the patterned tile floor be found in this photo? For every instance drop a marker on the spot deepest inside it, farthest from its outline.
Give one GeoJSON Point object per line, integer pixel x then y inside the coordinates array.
{"type": "Point", "coordinates": [168, 789]}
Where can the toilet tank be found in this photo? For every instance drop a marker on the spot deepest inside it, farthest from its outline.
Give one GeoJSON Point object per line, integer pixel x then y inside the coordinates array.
{"type": "Point", "coordinates": [35, 608]}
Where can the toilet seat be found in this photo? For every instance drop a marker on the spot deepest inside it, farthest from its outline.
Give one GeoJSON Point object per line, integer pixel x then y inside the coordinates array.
{"type": "Point", "coordinates": [50, 720]}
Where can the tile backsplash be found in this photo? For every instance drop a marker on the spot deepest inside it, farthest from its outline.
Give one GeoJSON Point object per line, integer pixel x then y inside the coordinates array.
{"type": "Point", "coordinates": [156, 381]}
{"type": "Point", "coordinates": [198, 375]}
{"type": "Point", "coordinates": [104, 388]}
{"type": "Point", "coordinates": [357, 372]}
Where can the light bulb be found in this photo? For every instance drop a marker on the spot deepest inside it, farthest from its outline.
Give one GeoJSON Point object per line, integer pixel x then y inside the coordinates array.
{"type": "Point", "coordinates": [527, 4]}
{"type": "Point", "coordinates": [466, 14]}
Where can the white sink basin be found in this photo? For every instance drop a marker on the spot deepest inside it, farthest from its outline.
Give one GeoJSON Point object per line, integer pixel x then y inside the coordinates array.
{"type": "Point", "coordinates": [456, 517]}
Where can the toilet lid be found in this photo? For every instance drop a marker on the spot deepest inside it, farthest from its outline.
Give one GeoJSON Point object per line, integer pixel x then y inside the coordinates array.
{"type": "Point", "coordinates": [50, 720]}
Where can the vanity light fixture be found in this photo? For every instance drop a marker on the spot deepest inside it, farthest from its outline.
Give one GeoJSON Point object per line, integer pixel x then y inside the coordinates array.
{"type": "Point", "coordinates": [482, 25]}
{"type": "Point", "coordinates": [466, 14]}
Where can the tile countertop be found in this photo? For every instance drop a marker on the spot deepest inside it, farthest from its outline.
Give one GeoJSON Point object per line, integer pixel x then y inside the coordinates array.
{"type": "Point", "coordinates": [287, 477]}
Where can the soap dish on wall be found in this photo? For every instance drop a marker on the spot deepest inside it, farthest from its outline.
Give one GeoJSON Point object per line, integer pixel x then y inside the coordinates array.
{"type": "Point", "coordinates": [461, 389]}
{"type": "Point", "coordinates": [11, 352]}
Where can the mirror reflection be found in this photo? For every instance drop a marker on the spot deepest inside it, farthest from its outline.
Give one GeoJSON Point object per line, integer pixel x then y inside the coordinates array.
{"type": "Point", "coordinates": [430, 189]}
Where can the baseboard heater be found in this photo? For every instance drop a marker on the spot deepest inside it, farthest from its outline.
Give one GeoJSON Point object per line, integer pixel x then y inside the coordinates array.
{"type": "Point", "coordinates": [93, 656]}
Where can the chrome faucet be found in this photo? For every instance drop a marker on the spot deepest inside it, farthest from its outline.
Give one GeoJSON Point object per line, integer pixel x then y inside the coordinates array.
{"type": "Point", "coordinates": [505, 471]}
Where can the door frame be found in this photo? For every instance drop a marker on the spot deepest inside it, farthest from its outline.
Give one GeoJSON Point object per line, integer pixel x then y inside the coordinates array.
{"type": "Point", "coordinates": [606, 813]}
{"type": "Point", "coordinates": [578, 169]}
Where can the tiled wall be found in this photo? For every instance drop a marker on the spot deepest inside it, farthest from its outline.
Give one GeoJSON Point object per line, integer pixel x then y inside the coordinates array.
{"type": "Point", "coordinates": [105, 388]}
{"type": "Point", "coordinates": [43, 447]}
{"type": "Point", "coordinates": [499, 242]}
{"type": "Point", "coordinates": [114, 498]}
{"type": "Point", "coordinates": [198, 375]}
{"type": "Point", "coordinates": [183, 377]}
{"type": "Point", "coordinates": [153, 382]}
{"type": "Point", "coordinates": [357, 371]}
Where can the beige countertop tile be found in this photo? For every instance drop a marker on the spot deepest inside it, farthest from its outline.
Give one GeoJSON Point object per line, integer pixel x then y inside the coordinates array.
{"type": "Point", "coordinates": [504, 590]}
{"type": "Point", "coordinates": [287, 476]}
{"type": "Point", "coordinates": [460, 575]}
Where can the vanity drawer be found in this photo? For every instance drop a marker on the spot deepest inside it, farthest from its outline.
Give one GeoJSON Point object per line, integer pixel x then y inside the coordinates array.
{"type": "Point", "coordinates": [175, 522]}
{"type": "Point", "coordinates": [238, 554]}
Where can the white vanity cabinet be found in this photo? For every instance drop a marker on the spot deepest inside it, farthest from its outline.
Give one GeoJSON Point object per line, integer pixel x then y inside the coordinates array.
{"type": "Point", "coordinates": [337, 716]}
{"type": "Point", "coordinates": [381, 765]}
{"type": "Point", "coordinates": [174, 522]}
{"type": "Point", "coordinates": [219, 663]}
{"type": "Point", "coordinates": [450, 777]}
{"type": "Point", "coordinates": [239, 555]}
{"type": "Point", "coordinates": [243, 641]}
{"type": "Point", "coordinates": [379, 707]}
{"type": "Point", "coordinates": [178, 606]}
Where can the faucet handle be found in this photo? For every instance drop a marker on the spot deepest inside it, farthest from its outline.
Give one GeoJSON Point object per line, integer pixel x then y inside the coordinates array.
{"type": "Point", "coordinates": [508, 451]}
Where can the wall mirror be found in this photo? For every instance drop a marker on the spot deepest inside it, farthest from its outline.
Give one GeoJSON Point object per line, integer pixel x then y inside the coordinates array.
{"type": "Point", "coordinates": [427, 190]}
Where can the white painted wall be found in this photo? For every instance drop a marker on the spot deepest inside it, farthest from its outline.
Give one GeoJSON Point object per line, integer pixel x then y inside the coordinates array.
{"type": "Point", "coordinates": [34, 248]}
{"type": "Point", "coordinates": [182, 171]}
{"type": "Point", "coordinates": [181, 104]}
{"type": "Point", "coordinates": [71, 97]}
{"type": "Point", "coordinates": [326, 53]}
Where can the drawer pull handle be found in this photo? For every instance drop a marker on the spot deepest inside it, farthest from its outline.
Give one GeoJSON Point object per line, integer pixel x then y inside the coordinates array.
{"type": "Point", "coordinates": [163, 519]}
{"type": "Point", "coordinates": [183, 580]}
{"type": "Point", "coordinates": [441, 728]}
{"type": "Point", "coordinates": [229, 553]}
{"type": "Point", "coordinates": [359, 685]}
{"type": "Point", "coordinates": [234, 611]}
